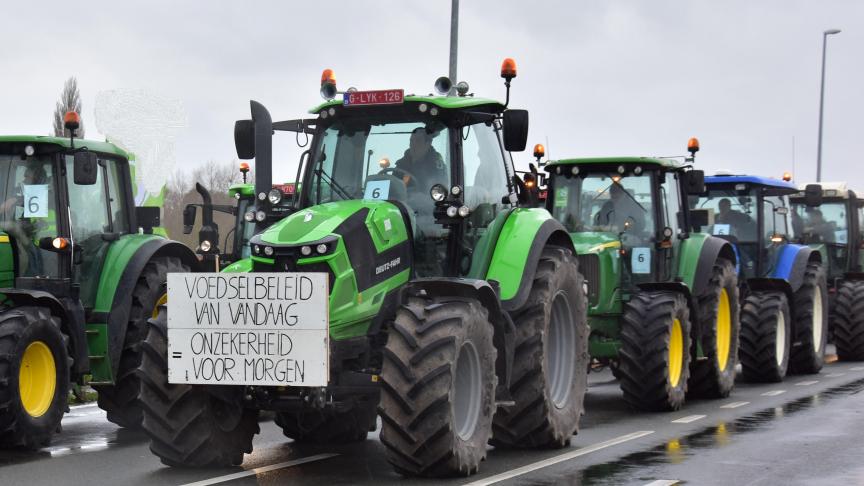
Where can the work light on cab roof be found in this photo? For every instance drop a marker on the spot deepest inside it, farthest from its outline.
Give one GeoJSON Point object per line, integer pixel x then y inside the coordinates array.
{"type": "Point", "coordinates": [328, 84]}
{"type": "Point", "coordinates": [692, 147]}
{"type": "Point", "coordinates": [244, 169]}
{"type": "Point", "coordinates": [539, 151]}
{"type": "Point", "coordinates": [787, 176]}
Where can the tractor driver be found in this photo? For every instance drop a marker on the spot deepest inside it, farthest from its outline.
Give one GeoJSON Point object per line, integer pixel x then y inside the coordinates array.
{"type": "Point", "coordinates": [738, 221]}
{"type": "Point", "coordinates": [423, 162]}
{"type": "Point", "coordinates": [621, 212]}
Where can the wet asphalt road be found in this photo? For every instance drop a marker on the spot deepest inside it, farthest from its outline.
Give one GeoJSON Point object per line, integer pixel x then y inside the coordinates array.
{"type": "Point", "coordinates": [806, 430]}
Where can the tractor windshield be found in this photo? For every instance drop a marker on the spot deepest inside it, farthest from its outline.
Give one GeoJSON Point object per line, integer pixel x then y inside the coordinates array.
{"type": "Point", "coordinates": [605, 202]}
{"type": "Point", "coordinates": [396, 161]}
{"type": "Point", "coordinates": [828, 225]}
{"type": "Point", "coordinates": [733, 214]}
{"type": "Point", "coordinates": [28, 211]}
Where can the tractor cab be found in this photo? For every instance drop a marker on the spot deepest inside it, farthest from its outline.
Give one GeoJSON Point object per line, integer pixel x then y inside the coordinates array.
{"type": "Point", "coordinates": [835, 226]}
{"type": "Point", "coordinates": [627, 211]}
{"type": "Point", "coordinates": [753, 213]}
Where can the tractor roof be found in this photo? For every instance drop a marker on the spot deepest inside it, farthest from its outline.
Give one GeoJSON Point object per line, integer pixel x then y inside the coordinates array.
{"type": "Point", "coordinates": [753, 180]}
{"type": "Point", "coordinates": [665, 163]}
{"type": "Point", "coordinates": [830, 189]}
{"type": "Point", "coordinates": [446, 102]}
{"type": "Point", "coordinates": [95, 146]}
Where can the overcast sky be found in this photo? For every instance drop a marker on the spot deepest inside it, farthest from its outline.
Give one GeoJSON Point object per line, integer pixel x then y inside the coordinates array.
{"type": "Point", "coordinates": [599, 77]}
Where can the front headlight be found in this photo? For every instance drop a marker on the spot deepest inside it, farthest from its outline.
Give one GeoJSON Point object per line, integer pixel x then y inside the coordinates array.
{"type": "Point", "coordinates": [275, 196]}
{"type": "Point", "coordinates": [260, 216]}
{"type": "Point", "coordinates": [249, 216]}
{"type": "Point", "coordinates": [206, 246]}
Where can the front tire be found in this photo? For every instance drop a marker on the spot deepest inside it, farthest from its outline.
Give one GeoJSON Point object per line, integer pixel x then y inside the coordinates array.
{"type": "Point", "coordinates": [810, 316]}
{"type": "Point", "coordinates": [549, 377]}
{"type": "Point", "coordinates": [849, 321]}
{"type": "Point", "coordinates": [713, 376]}
{"type": "Point", "coordinates": [766, 332]}
{"type": "Point", "coordinates": [655, 351]}
{"type": "Point", "coordinates": [188, 426]}
{"type": "Point", "coordinates": [120, 400]}
{"type": "Point", "coordinates": [438, 387]}
{"type": "Point", "coordinates": [34, 383]}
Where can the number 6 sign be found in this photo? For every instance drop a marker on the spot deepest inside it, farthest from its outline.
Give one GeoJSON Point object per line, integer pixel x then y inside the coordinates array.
{"type": "Point", "coordinates": [36, 201]}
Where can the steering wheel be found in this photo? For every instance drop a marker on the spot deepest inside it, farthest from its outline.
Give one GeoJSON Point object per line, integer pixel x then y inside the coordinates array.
{"type": "Point", "coordinates": [400, 173]}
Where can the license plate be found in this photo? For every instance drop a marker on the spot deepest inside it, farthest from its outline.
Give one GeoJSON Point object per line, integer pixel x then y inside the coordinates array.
{"type": "Point", "coordinates": [266, 329]}
{"type": "Point", "coordinates": [380, 97]}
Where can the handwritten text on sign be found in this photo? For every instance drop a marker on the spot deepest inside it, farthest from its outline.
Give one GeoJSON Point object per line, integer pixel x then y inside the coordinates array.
{"type": "Point", "coordinates": [267, 329]}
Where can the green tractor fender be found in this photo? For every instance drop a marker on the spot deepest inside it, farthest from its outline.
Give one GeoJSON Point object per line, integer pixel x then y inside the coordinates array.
{"type": "Point", "coordinates": [516, 252]}
{"type": "Point", "coordinates": [124, 263]}
{"type": "Point", "coordinates": [698, 254]}
{"type": "Point", "coordinates": [72, 323]}
{"type": "Point", "coordinates": [481, 290]}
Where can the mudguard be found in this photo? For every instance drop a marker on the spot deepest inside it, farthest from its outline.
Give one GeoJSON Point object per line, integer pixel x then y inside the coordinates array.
{"type": "Point", "coordinates": [520, 242]}
{"type": "Point", "coordinates": [125, 261]}
{"type": "Point", "coordinates": [792, 262]}
{"type": "Point", "coordinates": [698, 253]}
{"type": "Point", "coordinates": [71, 315]}
{"type": "Point", "coordinates": [503, 326]}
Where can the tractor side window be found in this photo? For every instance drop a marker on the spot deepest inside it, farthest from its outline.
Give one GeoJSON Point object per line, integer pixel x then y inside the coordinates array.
{"type": "Point", "coordinates": [29, 213]}
{"type": "Point", "coordinates": [775, 217]}
{"type": "Point", "coordinates": [672, 195]}
{"type": "Point", "coordinates": [116, 197]}
{"type": "Point", "coordinates": [825, 224]}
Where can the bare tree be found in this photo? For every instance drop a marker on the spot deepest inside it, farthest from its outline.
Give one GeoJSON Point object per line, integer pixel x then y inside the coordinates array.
{"type": "Point", "coordinates": [70, 100]}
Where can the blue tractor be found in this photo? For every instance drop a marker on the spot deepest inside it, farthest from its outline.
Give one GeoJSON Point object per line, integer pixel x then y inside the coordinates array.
{"type": "Point", "coordinates": [784, 311]}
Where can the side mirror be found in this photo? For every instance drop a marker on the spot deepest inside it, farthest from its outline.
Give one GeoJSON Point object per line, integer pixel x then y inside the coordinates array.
{"type": "Point", "coordinates": [515, 130]}
{"type": "Point", "coordinates": [189, 213]}
{"type": "Point", "coordinates": [698, 219]}
{"type": "Point", "coordinates": [813, 195]}
{"type": "Point", "coordinates": [85, 168]}
{"type": "Point", "coordinates": [694, 182]}
{"type": "Point", "coordinates": [148, 217]}
{"type": "Point", "coordinates": [244, 139]}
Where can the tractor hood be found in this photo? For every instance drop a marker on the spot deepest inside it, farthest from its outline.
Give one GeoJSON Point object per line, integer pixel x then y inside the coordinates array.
{"type": "Point", "coordinates": [595, 242]}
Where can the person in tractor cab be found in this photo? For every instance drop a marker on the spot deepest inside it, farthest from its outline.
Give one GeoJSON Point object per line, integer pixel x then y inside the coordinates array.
{"type": "Point", "coordinates": [423, 162]}
{"type": "Point", "coordinates": [621, 212]}
{"type": "Point", "coordinates": [32, 219]}
{"type": "Point", "coordinates": [816, 229]}
{"type": "Point", "coordinates": [730, 216]}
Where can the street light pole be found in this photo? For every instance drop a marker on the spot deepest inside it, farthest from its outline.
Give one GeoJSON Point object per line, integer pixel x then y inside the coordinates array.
{"type": "Point", "coordinates": [821, 103]}
{"type": "Point", "coordinates": [454, 42]}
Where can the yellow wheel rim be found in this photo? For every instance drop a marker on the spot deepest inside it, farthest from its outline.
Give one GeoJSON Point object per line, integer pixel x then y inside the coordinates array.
{"type": "Point", "coordinates": [724, 330]}
{"type": "Point", "coordinates": [676, 353]}
{"type": "Point", "coordinates": [162, 301]}
{"type": "Point", "coordinates": [37, 379]}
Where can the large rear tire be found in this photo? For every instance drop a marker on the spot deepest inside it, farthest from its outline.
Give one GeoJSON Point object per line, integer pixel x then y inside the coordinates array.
{"type": "Point", "coordinates": [766, 335]}
{"type": "Point", "coordinates": [188, 426]}
{"type": "Point", "coordinates": [550, 364]}
{"type": "Point", "coordinates": [849, 321]}
{"type": "Point", "coordinates": [438, 387]}
{"type": "Point", "coordinates": [713, 376]}
{"type": "Point", "coordinates": [655, 351]}
{"type": "Point", "coordinates": [810, 322]}
{"type": "Point", "coordinates": [34, 377]}
{"type": "Point", "coordinates": [120, 400]}
{"type": "Point", "coordinates": [314, 426]}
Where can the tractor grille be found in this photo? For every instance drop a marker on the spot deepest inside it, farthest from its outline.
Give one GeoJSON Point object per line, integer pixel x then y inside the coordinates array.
{"type": "Point", "coordinates": [288, 263]}
{"type": "Point", "coordinates": [589, 267]}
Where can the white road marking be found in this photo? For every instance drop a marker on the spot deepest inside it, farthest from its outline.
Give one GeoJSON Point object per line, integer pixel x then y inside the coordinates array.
{"type": "Point", "coordinates": [773, 393]}
{"type": "Point", "coordinates": [834, 375]}
{"type": "Point", "coordinates": [857, 368]}
{"type": "Point", "coordinates": [688, 419]}
{"type": "Point", "coordinates": [86, 405]}
{"type": "Point", "coordinates": [261, 470]}
{"type": "Point", "coordinates": [734, 404]}
{"type": "Point", "coordinates": [664, 482]}
{"type": "Point", "coordinates": [558, 459]}
{"type": "Point", "coordinates": [807, 383]}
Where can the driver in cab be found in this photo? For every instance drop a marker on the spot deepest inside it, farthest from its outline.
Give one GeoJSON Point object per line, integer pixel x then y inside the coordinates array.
{"type": "Point", "coordinates": [621, 212]}
{"type": "Point", "coordinates": [422, 165]}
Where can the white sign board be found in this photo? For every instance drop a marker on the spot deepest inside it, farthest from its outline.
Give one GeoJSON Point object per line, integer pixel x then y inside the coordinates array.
{"type": "Point", "coordinates": [377, 190]}
{"type": "Point", "coordinates": [721, 229]}
{"type": "Point", "coordinates": [640, 261]}
{"type": "Point", "coordinates": [35, 200]}
{"type": "Point", "coordinates": [268, 329]}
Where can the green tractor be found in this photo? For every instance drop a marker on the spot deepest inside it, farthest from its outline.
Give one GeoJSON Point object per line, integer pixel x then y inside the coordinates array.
{"type": "Point", "coordinates": [448, 307]}
{"type": "Point", "coordinates": [78, 279]}
{"type": "Point", "coordinates": [662, 300]}
{"type": "Point", "coordinates": [835, 229]}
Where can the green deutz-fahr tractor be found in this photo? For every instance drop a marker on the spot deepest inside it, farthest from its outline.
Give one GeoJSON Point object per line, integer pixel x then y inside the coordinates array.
{"type": "Point", "coordinates": [453, 309]}
{"type": "Point", "coordinates": [77, 278]}
{"type": "Point", "coordinates": [662, 300]}
{"type": "Point", "coordinates": [835, 229]}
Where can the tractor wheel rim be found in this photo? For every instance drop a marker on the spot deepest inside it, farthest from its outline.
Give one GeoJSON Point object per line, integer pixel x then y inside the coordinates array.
{"type": "Point", "coordinates": [724, 330]}
{"type": "Point", "coordinates": [560, 346]}
{"type": "Point", "coordinates": [37, 379]}
{"type": "Point", "coordinates": [676, 352]}
{"type": "Point", "coordinates": [817, 321]}
{"type": "Point", "coordinates": [163, 299]}
{"type": "Point", "coordinates": [466, 402]}
{"type": "Point", "coordinates": [780, 343]}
